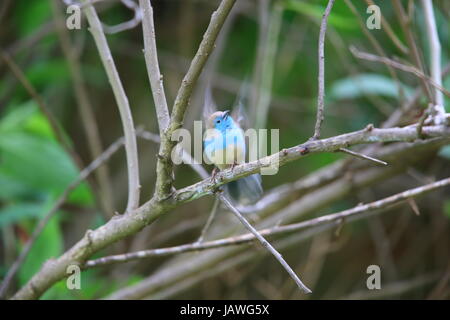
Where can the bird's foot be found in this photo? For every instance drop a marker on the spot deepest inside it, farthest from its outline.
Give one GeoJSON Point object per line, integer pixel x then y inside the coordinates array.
{"type": "Point", "coordinates": [214, 173]}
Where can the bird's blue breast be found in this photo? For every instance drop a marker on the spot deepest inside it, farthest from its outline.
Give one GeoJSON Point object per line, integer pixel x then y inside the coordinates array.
{"type": "Point", "coordinates": [225, 147]}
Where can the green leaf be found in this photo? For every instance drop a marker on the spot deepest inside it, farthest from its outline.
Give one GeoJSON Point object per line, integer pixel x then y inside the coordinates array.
{"type": "Point", "coordinates": [17, 117]}
{"type": "Point", "coordinates": [30, 15]}
{"type": "Point", "coordinates": [11, 188]}
{"type": "Point", "coordinates": [366, 84]}
{"type": "Point", "coordinates": [317, 12]}
{"type": "Point", "coordinates": [36, 161]}
{"type": "Point", "coordinates": [17, 212]}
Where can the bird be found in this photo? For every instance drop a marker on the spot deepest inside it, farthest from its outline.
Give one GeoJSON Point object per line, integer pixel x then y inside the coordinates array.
{"type": "Point", "coordinates": [224, 146]}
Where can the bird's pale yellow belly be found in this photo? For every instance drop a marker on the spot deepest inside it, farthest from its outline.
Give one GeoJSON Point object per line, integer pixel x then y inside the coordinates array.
{"type": "Point", "coordinates": [224, 158]}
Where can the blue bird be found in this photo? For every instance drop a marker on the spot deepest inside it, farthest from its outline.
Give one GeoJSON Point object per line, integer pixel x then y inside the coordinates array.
{"type": "Point", "coordinates": [224, 145]}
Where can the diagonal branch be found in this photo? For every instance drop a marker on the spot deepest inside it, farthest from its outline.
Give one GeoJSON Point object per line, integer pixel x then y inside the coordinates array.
{"type": "Point", "coordinates": [151, 60]}
{"type": "Point", "coordinates": [344, 216]}
{"type": "Point", "coordinates": [265, 243]}
{"type": "Point", "coordinates": [400, 66]}
{"type": "Point", "coordinates": [362, 156]}
{"type": "Point", "coordinates": [122, 226]}
{"type": "Point", "coordinates": [122, 102]}
{"type": "Point", "coordinates": [86, 111]}
{"type": "Point", "coordinates": [367, 135]}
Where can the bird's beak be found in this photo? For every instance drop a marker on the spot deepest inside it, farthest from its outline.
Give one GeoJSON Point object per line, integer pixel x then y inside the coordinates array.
{"type": "Point", "coordinates": [226, 114]}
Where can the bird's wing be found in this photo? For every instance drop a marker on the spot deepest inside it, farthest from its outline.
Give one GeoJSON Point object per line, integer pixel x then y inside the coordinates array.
{"type": "Point", "coordinates": [239, 113]}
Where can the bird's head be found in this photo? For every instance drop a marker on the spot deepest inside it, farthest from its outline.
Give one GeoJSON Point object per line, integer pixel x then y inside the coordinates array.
{"type": "Point", "coordinates": [220, 120]}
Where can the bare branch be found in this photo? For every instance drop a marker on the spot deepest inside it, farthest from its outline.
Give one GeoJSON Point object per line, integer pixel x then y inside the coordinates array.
{"type": "Point", "coordinates": [362, 156]}
{"type": "Point", "coordinates": [368, 135]}
{"type": "Point", "coordinates": [212, 263]}
{"type": "Point", "coordinates": [321, 77]}
{"type": "Point", "coordinates": [345, 216]}
{"type": "Point", "coordinates": [435, 60]}
{"type": "Point", "coordinates": [127, 25]}
{"type": "Point", "coordinates": [398, 65]}
{"type": "Point", "coordinates": [414, 50]}
{"type": "Point", "coordinates": [124, 225]}
{"type": "Point", "coordinates": [210, 220]}
{"type": "Point", "coordinates": [123, 104]}
{"type": "Point", "coordinates": [151, 60]}
{"type": "Point", "coordinates": [87, 114]}
{"type": "Point", "coordinates": [390, 33]}
{"type": "Point", "coordinates": [265, 244]}
{"type": "Point", "coordinates": [185, 156]}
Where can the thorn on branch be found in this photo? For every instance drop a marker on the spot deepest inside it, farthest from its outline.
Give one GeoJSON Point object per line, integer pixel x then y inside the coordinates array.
{"type": "Point", "coordinates": [369, 127]}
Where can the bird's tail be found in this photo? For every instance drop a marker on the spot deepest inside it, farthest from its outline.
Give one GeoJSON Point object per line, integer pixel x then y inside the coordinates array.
{"type": "Point", "coordinates": [245, 191]}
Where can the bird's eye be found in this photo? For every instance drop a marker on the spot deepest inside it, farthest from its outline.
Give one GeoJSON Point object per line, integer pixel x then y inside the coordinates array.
{"type": "Point", "coordinates": [217, 121]}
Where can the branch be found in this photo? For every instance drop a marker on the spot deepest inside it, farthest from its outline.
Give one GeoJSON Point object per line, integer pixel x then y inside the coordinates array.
{"type": "Point", "coordinates": [86, 111]}
{"type": "Point", "coordinates": [42, 223]}
{"type": "Point", "coordinates": [390, 33]}
{"type": "Point", "coordinates": [362, 156]}
{"type": "Point", "coordinates": [207, 264]}
{"type": "Point", "coordinates": [123, 104]}
{"type": "Point", "coordinates": [151, 60]}
{"type": "Point", "coordinates": [435, 60]}
{"type": "Point", "coordinates": [398, 65]}
{"type": "Point", "coordinates": [209, 222]}
{"type": "Point", "coordinates": [367, 135]}
{"type": "Point", "coordinates": [130, 24]}
{"type": "Point", "coordinates": [414, 50]}
{"type": "Point", "coordinates": [265, 244]}
{"type": "Point", "coordinates": [321, 77]}
{"type": "Point", "coordinates": [345, 216]}
{"type": "Point", "coordinates": [122, 226]}
{"type": "Point", "coordinates": [164, 164]}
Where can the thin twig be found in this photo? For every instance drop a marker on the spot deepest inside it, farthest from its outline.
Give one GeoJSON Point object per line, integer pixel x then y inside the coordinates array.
{"type": "Point", "coordinates": [86, 111]}
{"type": "Point", "coordinates": [123, 104]}
{"type": "Point", "coordinates": [376, 44]}
{"type": "Point", "coordinates": [435, 60]}
{"type": "Point", "coordinates": [151, 60]}
{"type": "Point", "coordinates": [126, 225]}
{"type": "Point", "coordinates": [362, 156]}
{"type": "Point", "coordinates": [390, 33]}
{"type": "Point", "coordinates": [127, 25]}
{"type": "Point", "coordinates": [398, 65]}
{"type": "Point", "coordinates": [42, 223]}
{"type": "Point", "coordinates": [265, 243]}
{"type": "Point", "coordinates": [405, 22]}
{"type": "Point", "coordinates": [211, 217]}
{"type": "Point", "coordinates": [185, 156]}
{"type": "Point", "coordinates": [345, 216]}
{"type": "Point", "coordinates": [321, 77]}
